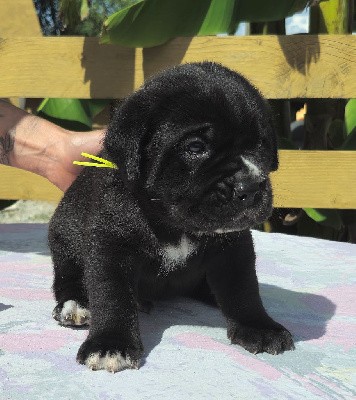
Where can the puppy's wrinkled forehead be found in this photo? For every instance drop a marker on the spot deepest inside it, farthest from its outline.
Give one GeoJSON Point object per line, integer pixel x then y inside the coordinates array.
{"type": "Point", "coordinates": [206, 93]}
{"type": "Point", "coordinates": [202, 88]}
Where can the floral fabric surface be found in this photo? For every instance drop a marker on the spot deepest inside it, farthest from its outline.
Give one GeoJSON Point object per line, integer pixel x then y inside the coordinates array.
{"type": "Point", "coordinates": [307, 284]}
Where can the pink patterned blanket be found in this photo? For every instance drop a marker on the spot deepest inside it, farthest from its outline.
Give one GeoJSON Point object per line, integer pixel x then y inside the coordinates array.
{"type": "Point", "coordinates": [309, 285]}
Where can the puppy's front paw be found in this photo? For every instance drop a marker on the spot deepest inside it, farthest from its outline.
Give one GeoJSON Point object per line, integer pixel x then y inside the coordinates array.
{"type": "Point", "coordinates": [100, 354]}
{"type": "Point", "coordinates": [273, 339]}
{"type": "Point", "coordinates": [71, 313]}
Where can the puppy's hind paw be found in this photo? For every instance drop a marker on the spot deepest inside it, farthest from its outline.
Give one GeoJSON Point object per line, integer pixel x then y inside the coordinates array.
{"type": "Point", "coordinates": [71, 313]}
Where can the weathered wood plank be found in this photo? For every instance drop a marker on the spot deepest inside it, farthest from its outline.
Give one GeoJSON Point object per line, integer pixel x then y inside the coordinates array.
{"type": "Point", "coordinates": [280, 66]}
{"type": "Point", "coordinates": [26, 24]}
{"type": "Point", "coordinates": [305, 179]}
{"type": "Point", "coordinates": [320, 179]}
{"type": "Point", "coordinates": [18, 18]}
{"type": "Point", "coordinates": [17, 184]}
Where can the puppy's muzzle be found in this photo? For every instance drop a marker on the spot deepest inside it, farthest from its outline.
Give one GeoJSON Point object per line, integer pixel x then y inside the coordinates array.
{"type": "Point", "coordinates": [244, 192]}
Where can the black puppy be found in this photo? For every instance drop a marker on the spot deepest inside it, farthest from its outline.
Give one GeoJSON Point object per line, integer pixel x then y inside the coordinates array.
{"type": "Point", "coordinates": [194, 147]}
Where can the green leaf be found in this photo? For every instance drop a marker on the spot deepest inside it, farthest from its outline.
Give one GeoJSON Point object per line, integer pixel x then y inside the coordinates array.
{"type": "Point", "coordinates": [71, 109]}
{"type": "Point", "coordinates": [153, 22]}
{"type": "Point", "coordinates": [350, 126]}
{"type": "Point", "coordinates": [326, 217]}
{"type": "Point", "coordinates": [350, 116]}
{"type": "Point", "coordinates": [78, 112]}
{"type": "Point", "coordinates": [149, 23]}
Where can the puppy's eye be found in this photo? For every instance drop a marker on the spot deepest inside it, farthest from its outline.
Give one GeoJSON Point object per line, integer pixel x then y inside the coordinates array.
{"type": "Point", "coordinates": [196, 146]}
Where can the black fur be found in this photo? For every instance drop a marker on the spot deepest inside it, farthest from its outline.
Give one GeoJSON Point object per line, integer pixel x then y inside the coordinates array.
{"type": "Point", "coordinates": [178, 143]}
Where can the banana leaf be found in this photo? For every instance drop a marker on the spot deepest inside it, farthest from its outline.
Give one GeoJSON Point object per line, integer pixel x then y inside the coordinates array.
{"type": "Point", "coordinates": [350, 126]}
{"type": "Point", "coordinates": [325, 217]}
{"type": "Point", "coordinates": [149, 23]}
{"type": "Point", "coordinates": [350, 116]}
{"type": "Point", "coordinates": [76, 114]}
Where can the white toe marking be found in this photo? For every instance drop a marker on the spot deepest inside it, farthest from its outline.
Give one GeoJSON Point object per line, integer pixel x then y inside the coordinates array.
{"type": "Point", "coordinates": [111, 362]}
{"type": "Point", "coordinates": [252, 167]}
{"type": "Point", "coordinates": [93, 361]}
{"type": "Point", "coordinates": [74, 314]}
{"type": "Point", "coordinates": [68, 307]}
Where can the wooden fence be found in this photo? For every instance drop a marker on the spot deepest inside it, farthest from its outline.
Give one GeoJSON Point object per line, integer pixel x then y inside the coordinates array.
{"type": "Point", "coordinates": [302, 66]}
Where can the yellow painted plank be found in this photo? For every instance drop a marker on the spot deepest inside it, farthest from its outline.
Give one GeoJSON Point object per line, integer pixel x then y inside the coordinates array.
{"type": "Point", "coordinates": [72, 67]}
{"type": "Point", "coordinates": [18, 18]}
{"type": "Point", "coordinates": [18, 184]}
{"type": "Point", "coordinates": [321, 179]}
{"type": "Point", "coordinates": [280, 66]}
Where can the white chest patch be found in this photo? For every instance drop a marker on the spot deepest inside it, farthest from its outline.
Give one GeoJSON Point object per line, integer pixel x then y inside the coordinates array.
{"type": "Point", "coordinates": [177, 254]}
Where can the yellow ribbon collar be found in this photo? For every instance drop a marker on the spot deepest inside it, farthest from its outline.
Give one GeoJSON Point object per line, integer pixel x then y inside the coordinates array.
{"type": "Point", "coordinates": [102, 163]}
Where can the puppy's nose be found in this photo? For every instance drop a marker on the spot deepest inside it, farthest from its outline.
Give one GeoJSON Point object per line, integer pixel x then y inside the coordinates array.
{"type": "Point", "coordinates": [245, 192]}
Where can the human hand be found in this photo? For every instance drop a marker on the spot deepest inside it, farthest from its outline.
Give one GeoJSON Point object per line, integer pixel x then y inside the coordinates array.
{"type": "Point", "coordinates": [36, 145]}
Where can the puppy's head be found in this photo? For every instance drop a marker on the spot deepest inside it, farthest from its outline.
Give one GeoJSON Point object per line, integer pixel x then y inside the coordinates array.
{"type": "Point", "coordinates": [197, 141]}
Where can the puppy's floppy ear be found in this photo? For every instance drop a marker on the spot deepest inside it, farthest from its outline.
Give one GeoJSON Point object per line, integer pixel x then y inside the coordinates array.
{"type": "Point", "coordinates": [124, 135]}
